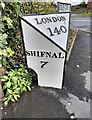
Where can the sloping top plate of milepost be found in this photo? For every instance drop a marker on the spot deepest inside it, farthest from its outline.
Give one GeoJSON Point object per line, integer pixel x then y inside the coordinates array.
{"type": "Point", "coordinates": [53, 26]}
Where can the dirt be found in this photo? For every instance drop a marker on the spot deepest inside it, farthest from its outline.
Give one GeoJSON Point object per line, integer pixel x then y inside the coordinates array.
{"type": "Point", "coordinates": [71, 37]}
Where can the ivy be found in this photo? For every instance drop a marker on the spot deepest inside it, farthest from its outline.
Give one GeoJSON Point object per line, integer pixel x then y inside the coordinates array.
{"type": "Point", "coordinates": [17, 79]}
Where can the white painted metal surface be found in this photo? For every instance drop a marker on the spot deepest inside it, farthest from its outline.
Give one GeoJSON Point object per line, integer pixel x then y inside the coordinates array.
{"type": "Point", "coordinates": [44, 22]}
{"type": "Point", "coordinates": [63, 7]}
{"type": "Point", "coordinates": [45, 54]}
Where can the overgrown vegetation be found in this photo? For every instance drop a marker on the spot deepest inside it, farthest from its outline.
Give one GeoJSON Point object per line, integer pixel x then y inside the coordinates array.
{"type": "Point", "coordinates": [15, 82]}
{"type": "Point", "coordinates": [79, 6]}
{"type": "Point", "coordinates": [81, 9]}
{"type": "Point", "coordinates": [16, 79]}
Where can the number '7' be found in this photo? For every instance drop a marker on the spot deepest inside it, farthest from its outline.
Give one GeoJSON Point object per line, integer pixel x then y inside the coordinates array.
{"type": "Point", "coordinates": [43, 63]}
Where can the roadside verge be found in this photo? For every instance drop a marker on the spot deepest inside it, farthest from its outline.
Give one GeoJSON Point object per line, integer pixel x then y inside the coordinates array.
{"type": "Point", "coordinates": [71, 43]}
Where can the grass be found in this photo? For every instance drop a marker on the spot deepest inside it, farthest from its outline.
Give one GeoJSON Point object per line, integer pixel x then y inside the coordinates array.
{"type": "Point", "coordinates": [85, 14]}
{"type": "Point", "coordinates": [71, 37]}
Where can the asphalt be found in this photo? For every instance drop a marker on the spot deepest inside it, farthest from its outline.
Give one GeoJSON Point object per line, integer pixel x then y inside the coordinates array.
{"type": "Point", "coordinates": [73, 101]}
{"type": "Point", "coordinates": [82, 23]}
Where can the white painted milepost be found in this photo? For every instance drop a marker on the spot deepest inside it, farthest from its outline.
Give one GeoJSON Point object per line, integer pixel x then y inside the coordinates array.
{"type": "Point", "coordinates": [63, 7]}
{"type": "Point", "coordinates": [45, 39]}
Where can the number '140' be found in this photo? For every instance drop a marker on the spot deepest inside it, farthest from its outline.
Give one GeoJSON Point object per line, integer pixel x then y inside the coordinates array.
{"type": "Point", "coordinates": [57, 31]}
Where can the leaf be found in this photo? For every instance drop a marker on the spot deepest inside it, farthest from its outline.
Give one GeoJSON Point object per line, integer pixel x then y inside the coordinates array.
{"type": "Point", "coordinates": [15, 87]}
{"type": "Point", "coordinates": [17, 90]}
{"type": "Point", "coordinates": [3, 80]}
{"type": "Point", "coordinates": [21, 65]}
{"type": "Point", "coordinates": [9, 91]}
{"type": "Point", "coordinates": [22, 81]}
{"type": "Point", "coordinates": [4, 87]}
{"type": "Point", "coordinates": [12, 100]}
{"type": "Point", "coordinates": [8, 84]}
{"type": "Point", "coordinates": [3, 5]}
{"type": "Point", "coordinates": [14, 78]}
{"type": "Point", "coordinates": [20, 69]}
{"type": "Point", "coordinates": [21, 86]}
{"type": "Point", "coordinates": [29, 88]}
{"type": "Point", "coordinates": [10, 73]}
{"type": "Point", "coordinates": [9, 97]}
{"type": "Point", "coordinates": [11, 53]}
{"type": "Point", "coordinates": [6, 103]}
{"type": "Point", "coordinates": [5, 35]}
{"type": "Point", "coordinates": [25, 84]}
{"type": "Point", "coordinates": [21, 90]}
{"type": "Point", "coordinates": [15, 96]}
{"type": "Point", "coordinates": [4, 77]}
{"type": "Point", "coordinates": [19, 73]}
{"type": "Point", "coordinates": [18, 96]}
{"type": "Point", "coordinates": [24, 89]}
{"type": "Point", "coordinates": [0, 64]}
{"type": "Point", "coordinates": [5, 99]}
{"type": "Point", "coordinates": [26, 71]}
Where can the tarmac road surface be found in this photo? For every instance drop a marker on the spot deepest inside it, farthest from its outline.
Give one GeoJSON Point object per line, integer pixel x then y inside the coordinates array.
{"type": "Point", "coordinates": [82, 23]}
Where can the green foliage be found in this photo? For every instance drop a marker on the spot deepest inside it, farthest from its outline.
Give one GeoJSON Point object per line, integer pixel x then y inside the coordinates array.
{"type": "Point", "coordinates": [79, 6]}
{"type": "Point", "coordinates": [16, 82]}
{"type": "Point", "coordinates": [6, 57]}
{"type": "Point", "coordinates": [83, 5]}
{"type": "Point", "coordinates": [86, 14]}
{"type": "Point", "coordinates": [17, 79]}
{"type": "Point", "coordinates": [10, 22]}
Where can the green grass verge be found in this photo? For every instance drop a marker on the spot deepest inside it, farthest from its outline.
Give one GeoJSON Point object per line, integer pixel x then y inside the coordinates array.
{"type": "Point", "coordinates": [85, 14]}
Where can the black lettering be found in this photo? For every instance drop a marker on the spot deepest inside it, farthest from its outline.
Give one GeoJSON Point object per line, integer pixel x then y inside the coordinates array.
{"type": "Point", "coordinates": [63, 29]}
{"type": "Point", "coordinates": [42, 54]}
{"type": "Point", "coordinates": [54, 19]}
{"type": "Point", "coordinates": [48, 54]}
{"type": "Point", "coordinates": [38, 21]}
{"type": "Point", "coordinates": [54, 55]}
{"type": "Point", "coordinates": [63, 18]}
{"type": "Point", "coordinates": [28, 53]}
{"type": "Point", "coordinates": [44, 20]}
{"type": "Point", "coordinates": [57, 31]}
{"type": "Point", "coordinates": [49, 20]}
{"type": "Point", "coordinates": [33, 53]}
{"type": "Point", "coordinates": [51, 34]}
{"type": "Point", "coordinates": [38, 55]}
{"type": "Point", "coordinates": [43, 63]}
{"type": "Point", "coordinates": [59, 18]}
{"type": "Point", "coordinates": [60, 55]}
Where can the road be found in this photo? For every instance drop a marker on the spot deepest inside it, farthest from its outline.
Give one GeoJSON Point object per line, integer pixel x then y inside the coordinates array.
{"type": "Point", "coordinates": [73, 101]}
{"type": "Point", "coordinates": [83, 23]}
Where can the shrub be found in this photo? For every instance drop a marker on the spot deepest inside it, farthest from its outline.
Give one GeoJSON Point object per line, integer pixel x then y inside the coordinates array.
{"type": "Point", "coordinates": [16, 79]}
{"type": "Point", "coordinates": [15, 82]}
